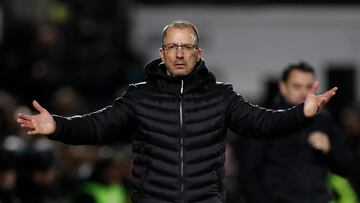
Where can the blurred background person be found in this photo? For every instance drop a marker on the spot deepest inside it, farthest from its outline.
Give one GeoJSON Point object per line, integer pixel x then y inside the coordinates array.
{"type": "Point", "coordinates": [350, 120]}
{"type": "Point", "coordinates": [8, 106]}
{"type": "Point", "coordinates": [37, 174]}
{"type": "Point", "coordinates": [8, 177]}
{"type": "Point", "coordinates": [294, 168]}
{"type": "Point", "coordinates": [104, 185]}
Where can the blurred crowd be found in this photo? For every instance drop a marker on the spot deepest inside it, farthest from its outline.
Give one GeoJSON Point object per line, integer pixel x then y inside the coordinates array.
{"type": "Point", "coordinates": [74, 59]}
{"type": "Point", "coordinates": [253, 3]}
{"type": "Point", "coordinates": [81, 44]}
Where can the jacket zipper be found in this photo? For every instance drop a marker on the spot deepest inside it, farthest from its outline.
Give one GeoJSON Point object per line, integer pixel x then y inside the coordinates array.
{"type": "Point", "coordinates": [181, 140]}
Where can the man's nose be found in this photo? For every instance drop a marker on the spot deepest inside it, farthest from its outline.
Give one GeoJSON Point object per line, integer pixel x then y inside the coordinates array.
{"type": "Point", "coordinates": [179, 52]}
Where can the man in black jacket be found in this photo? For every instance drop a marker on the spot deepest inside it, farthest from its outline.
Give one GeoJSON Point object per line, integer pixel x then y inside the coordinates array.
{"type": "Point", "coordinates": [293, 169]}
{"type": "Point", "coordinates": [177, 120]}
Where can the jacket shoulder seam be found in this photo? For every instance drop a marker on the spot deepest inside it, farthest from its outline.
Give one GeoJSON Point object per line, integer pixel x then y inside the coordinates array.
{"type": "Point", "coordinates": [141, 86]}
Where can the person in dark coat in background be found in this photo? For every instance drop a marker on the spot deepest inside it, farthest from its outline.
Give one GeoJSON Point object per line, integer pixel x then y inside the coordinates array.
{"type": "Point", "coordinates": [103, 186]}
{"type": "Point", "coordinates": [293, 169]}
{"type": "Point", "coordinates": [36, 171]}
{"type": "Point", "coordinates": [177, 120]}
{"type": "Point", "coordinates": [8, 177]}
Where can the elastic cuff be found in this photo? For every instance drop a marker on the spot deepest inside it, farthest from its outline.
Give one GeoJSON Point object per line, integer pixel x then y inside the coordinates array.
{"type": "Point", "coordinates": [301, 115]}
{"type": "Point", "coordinates": [57, 129]}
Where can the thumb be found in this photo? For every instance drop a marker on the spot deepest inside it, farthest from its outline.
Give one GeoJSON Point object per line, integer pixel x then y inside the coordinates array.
{"type": "Point", "coordinates": [38, 107]}
{"type": "Point", "coordinates": [315, 87]}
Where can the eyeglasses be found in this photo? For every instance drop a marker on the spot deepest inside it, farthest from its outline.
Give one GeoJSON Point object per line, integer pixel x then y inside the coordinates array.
{"type": "Point", "coordinates": [187, 48]}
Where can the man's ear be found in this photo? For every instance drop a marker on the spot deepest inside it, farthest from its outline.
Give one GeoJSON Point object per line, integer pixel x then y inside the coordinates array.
{"type": "Point", "coordinates": [198, 54]}
{"type": "Point", "coordinates": [161, 53]}
{"type": "Point", "coordinates": [282, 87]}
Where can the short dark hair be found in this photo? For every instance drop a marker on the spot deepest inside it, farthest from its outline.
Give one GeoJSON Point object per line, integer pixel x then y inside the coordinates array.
{"type": "Point", "coordinates": [181, 24]}
{"type": "Point", "coordinates": [301, 66]}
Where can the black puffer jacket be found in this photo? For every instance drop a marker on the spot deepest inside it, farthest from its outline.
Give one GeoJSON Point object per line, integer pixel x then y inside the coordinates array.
{"type": "Point", "coordinates": [178, 126]}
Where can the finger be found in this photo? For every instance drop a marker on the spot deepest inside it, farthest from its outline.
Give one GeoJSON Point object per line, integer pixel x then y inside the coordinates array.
{"type": "Point", "coordinates": [329, 95]}
{"type": "Point", "coordinates": [38, 107]}
{"type": "Point", "coordinates": [25, 117]}
{"type": "Point", "coordinates": [32, 132]}
{"type": "Point", "coordinates": [315, 87]}
{"type": "Point", "coordinates": [325, 99]}
{"type": "Point", "coordinates": [331, 92]}
{"type": "Point", "coordinates": [334, 89]}
{"type": "Point", "coordinates": [20, 120]}
{"type": "Point", "coordinates": [27, 125]}
{"type": "Point", "coordinates": [322, 102]}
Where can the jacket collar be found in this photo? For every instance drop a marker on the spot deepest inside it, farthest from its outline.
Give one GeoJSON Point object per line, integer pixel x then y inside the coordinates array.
{"type": "Point", "coordinates": [200, 77]}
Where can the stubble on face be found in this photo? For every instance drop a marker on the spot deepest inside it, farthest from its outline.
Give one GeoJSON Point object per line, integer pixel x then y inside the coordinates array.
{"type": "Point", "coordinates": [180, 63]}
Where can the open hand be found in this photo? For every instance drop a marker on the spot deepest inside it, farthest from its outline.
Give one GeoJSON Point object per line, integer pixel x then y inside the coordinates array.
{"type": "Point", "coordinates": [42, 123]}
{"type": "Point", "coordinates": [314, 103]}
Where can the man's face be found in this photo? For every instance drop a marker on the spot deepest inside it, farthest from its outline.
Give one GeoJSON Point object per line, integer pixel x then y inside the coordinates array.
{"type": "Point", "coordinates": [179, 52]}
{"type": "Point", "coordinates": [295, 89]}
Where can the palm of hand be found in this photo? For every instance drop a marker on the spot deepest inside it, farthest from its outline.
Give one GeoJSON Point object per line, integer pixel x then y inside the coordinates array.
{"type": "Point", "coordinates": [42, 123]}
{"type": "Point", "coordinates": [313, 103]}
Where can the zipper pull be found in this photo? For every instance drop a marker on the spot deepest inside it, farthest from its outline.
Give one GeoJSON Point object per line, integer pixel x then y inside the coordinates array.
{"type": "Point", "coordinates": [182, 87]}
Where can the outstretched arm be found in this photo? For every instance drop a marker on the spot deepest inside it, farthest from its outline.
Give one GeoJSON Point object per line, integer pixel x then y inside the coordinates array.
{"type": "Point", "coordinates": [112, 123]}
{"type": "Point", "coordinates": [243, 116]}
